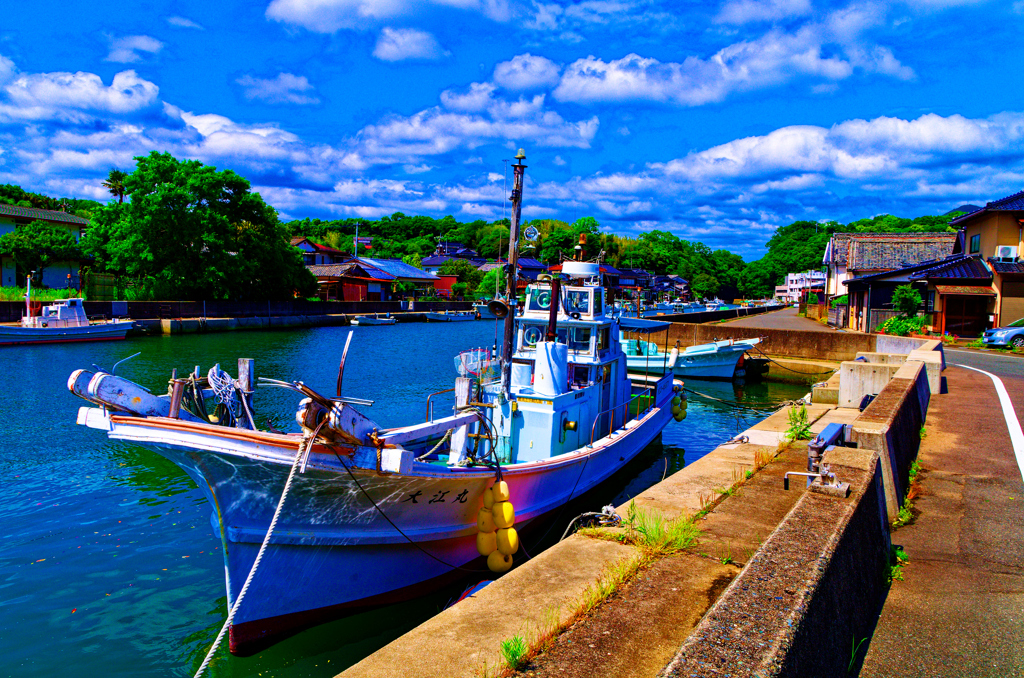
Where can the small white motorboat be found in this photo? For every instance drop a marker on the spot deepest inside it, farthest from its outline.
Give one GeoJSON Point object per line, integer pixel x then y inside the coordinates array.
{"type": "Point", "coordinates": [716, 360]}
{"type": "Point", "coordinates": [63, 320]}
{"type": "Point", "coordinates": [375, 319]}
{"type": "Point", "coordinates": [450, 316]}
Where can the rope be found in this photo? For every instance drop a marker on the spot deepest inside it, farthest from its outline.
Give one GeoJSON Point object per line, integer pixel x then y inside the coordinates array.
{"type": "Point", "coordinates": [306, 440]}
{"type": "Point", "coordinates": [771, 360]}
{"type": "Point", "coordinates": [606, 516]}
{"type": "Point", "coordinates": [435, 448]}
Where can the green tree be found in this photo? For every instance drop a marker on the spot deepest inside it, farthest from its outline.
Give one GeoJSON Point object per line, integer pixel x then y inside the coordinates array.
{"type": "Point", "coordinates": [115, 183]}
{"type": "Point", "coordinates": [414, 260]}
{"type": "Point", "coordinates": [38, 244]}
{"type": "Point", "coordinates": [906, 300]}
{"type": "Point", "coordinates": [193, 232]}
{"type": "Point", "coordinates": [493, 280]}
{"type": "Point", "coordinates": [466, 272]}
{"type": "Point", "coordinates": [704, 285]}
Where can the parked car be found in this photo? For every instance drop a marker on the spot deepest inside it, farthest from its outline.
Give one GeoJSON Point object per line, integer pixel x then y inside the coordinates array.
{"type": "Point", "coordinates": [1010, 335]}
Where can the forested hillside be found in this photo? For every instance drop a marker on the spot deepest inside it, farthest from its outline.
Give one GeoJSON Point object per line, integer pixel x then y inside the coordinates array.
{"type": "Point", "coordinates": [796, 247]}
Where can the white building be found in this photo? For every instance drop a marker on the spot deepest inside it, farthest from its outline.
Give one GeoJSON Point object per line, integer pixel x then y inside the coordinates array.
{"type": "Point", "coordinates": [792, 290]}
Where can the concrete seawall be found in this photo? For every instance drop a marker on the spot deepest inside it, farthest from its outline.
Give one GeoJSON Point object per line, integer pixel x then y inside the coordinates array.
{"type": "Point", "coordinates": [815, 584]}
{"type": "Point", "coordinates": [803, 599]}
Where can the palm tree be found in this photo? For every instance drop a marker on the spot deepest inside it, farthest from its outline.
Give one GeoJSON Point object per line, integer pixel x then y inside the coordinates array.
{"type": "Point", "coordinates": [115, 183]}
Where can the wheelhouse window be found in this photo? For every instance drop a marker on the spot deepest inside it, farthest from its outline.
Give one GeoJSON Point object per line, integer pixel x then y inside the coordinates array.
{"type": "Point", "coordinates": [576, 338]}
{"type": "Point", "coordinates": [578, 301]}
{"type": "Point", "coordinates": [540, 299]}
{"type": "Point", "coordinates": [975, 243]}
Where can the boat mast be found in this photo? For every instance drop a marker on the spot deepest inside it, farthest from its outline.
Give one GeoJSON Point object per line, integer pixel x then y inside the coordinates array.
{"type": "Point", "coordinates": [518, 169]}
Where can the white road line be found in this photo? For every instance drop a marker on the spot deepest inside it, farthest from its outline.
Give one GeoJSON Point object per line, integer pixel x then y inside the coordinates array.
{"type": "Point", "coordinates": [1012, 423]}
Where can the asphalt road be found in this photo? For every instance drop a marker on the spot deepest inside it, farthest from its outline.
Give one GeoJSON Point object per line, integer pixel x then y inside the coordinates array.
{"type": "Point", "coordinates": [786, 319]}
{"type": "Point", "coordinates": [960, 610]}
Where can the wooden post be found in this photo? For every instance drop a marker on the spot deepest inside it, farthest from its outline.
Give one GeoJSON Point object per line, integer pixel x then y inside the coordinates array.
{"type": "Point", "coordinates": [245, 381]}
{"type": "Point", "coordinates": [463, 389]}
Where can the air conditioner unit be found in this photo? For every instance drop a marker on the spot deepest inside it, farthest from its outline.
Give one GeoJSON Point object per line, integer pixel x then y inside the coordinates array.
{"type": "Point", "coordinates": [1006, 252]}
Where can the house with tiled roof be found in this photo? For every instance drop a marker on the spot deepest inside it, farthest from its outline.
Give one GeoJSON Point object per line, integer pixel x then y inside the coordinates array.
{"type": "Point", "coordinates": [58, 275]}
{"type": "Point", "coordinates": [315, 254]}
{"type": "Point", "coordinates": [849, 255]}
{"type": "Point", "coordinates": [352, 281]}
{"type": "Point", "coordinates": [994, 236]}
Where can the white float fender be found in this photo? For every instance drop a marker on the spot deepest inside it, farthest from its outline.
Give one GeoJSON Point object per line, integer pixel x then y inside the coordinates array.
{"type": "Point", "coordinates": [673, 356]}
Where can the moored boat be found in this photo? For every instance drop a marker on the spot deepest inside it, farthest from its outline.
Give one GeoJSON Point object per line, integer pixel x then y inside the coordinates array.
{"type": "Point", "coordinates": [375, 319]}
{"type": "Point", "coordinates": [451, 316]}
{"type": "Point", "coordinates": [344, 513]}
{"type": "Point", "coordinates": [715, 360]}
{"type": "Point", "coordinates": [62, 321]}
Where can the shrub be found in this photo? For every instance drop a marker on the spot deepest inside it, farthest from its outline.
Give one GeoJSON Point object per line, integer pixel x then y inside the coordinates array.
{"type": "Point", "coordinates": [901, 327]}
{"type": "Point", "coordinates": [906, 300]}
{"type": "Point", "coordinates": [841, 301]}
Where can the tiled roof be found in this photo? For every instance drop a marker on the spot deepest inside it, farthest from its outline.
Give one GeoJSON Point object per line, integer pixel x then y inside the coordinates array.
{"type": "Point", "coordinates": [838, 248]}
{"type": "Point", "coordinates": [960, 268]}
{"type": "Point", "coordinates": [890, 251]}
{"type": "Point", "coordinates": [348, 269]}
{"type": "Point", "coordinates": [398, 268]}
{"type": "Point", "coordinates": [298, 240]}
{"type": "Point", "coordinates": [435, 260]}
{"type": "Point", "coordinates": [45, 215]}
{"type": "Point", "coordinates": [488, 267]}
{"type": "Point", "coordinates": [1007, 266]}
{"type": "Point", "coordinates": [526, 262]}
{"type": "Point", "coordinates": [1010, 203]}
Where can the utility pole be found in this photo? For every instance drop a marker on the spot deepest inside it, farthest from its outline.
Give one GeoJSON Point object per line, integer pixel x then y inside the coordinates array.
{"type": "Point", "coordinates": [519, 171]}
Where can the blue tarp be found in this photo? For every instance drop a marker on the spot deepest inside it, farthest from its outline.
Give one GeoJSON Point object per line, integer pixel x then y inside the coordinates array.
{"type": "Point", "coordinates": [643, 325]}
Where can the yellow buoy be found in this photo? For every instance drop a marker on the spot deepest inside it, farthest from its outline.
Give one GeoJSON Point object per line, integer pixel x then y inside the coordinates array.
{"type": "Point", "coordinates": [681, 415]}
{"type": "Point", "coordinates": [504, 514]}
{"type": "Point", "coordinates": [500, 491]}
{"type": "Point", "coordinates": [676, 400]}
{"type": "Point", "coordinates": [485, 521]}
{"type": "Point", "coordinates": [507, 540]}
{"type": "Point", "coordinates": [486, 543]}
{"type": "Point", "coordinates": [488, 498]}
{"type": "Point", "coordinates": [498, 562]}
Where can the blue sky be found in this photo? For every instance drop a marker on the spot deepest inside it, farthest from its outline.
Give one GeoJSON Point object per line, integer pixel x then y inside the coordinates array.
{"type": "Point", "coordinates": [716, 121]}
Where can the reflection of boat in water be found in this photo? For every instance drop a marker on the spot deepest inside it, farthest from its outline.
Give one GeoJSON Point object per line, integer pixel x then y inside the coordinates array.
{"type": "Point", "coordinates": [451, 316]}
{"type": "Point", "coordinates": [63, 320]}
{"type": "Point", "coordinates": [345, 513]}
{"type": "Point", "coordinates": [716, 360]}
{"type": "Point", "coordinates": [375, 319]}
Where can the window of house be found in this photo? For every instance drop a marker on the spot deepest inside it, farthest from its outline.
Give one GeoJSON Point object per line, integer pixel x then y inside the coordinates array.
{"type": "Point", "coordinates": [975, 243]}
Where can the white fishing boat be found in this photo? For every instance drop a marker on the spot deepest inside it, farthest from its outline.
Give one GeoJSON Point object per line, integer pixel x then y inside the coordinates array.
{"type": "Point", "coordinates": [451, 316]}
{"type": "Point", "coordinates": [482, 311]}
{"type": "Point", "coordinates": [344, 513]}
{"type": "Point", "coordinates": [62, 321]}
{"type": "Point", "coordinates": [375, 319]}
{"type": "Point", "coordinates": [716, 360]}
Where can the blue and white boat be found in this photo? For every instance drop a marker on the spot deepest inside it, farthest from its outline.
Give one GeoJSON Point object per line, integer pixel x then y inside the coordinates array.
{"type": "Point", "coordinates": [62, 321]}
{"type": "Point", "coordinates": [375, 319]}
{"type": "Point", "coordinates": [369, 515]}
{"type": "Point", "coordinates": [450, 316]}
{"type": "Point", "coordinates": [715, 360]}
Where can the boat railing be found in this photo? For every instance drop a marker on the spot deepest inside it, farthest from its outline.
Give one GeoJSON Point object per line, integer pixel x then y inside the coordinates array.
{"type": "Point", "coordinates": [611, 419]}
{"type": "Point", "coordinates": [430, 404]}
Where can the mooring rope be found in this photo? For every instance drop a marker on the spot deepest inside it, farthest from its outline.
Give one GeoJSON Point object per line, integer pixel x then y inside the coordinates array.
{"type": "Point", "coordinates": [306, 441]}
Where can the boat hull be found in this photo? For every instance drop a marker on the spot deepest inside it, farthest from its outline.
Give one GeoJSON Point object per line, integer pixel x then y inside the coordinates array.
{"type": "Point", "coordinates": [449, 317]}
{"type": "Point", "coordinates": [349, 538]}
{"type": "Point", "coordinates": [14, 334]}
{"type": "Point", "coordinates": [718, 365]}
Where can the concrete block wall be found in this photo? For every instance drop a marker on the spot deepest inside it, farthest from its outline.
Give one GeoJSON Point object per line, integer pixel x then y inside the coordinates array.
{"type": "Point", "coordinates": [857, 379]}
{"type": "Point", "coordinates": [817, 582]}
{"type": "Point", "coordinates": [892, 425]}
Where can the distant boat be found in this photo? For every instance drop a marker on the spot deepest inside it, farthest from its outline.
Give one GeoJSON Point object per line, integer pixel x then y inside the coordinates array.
{"type": "Point", "coordinates": [451, 316]}
{"type": "Point", "coordinates": [374, 319]}
{"type": "Point", "coordinates": [717, 360]}
{"type": "Point", "coordinates": [484, 312]}
{"type": "Point", "coordinates": [63, 320]}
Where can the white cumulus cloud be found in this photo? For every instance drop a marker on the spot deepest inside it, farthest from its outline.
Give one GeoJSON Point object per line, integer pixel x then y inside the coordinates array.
{"type": "Point", "coordinates": [182, 22]}
{"type": "Point", "coordinates": [128, 49]}
{"type": "Point", "coordinates": [525, 72]}
{"type": "Point", "coordinates": [52, 95]}
{"type": "Point", "coordinates": [284, 89]}
{"type": "Point", "coordinates": [399, 44]}
{"type": "Point", "coordinates": [329, 16]}
{"type": "Point", "coordinates": [746, 11]}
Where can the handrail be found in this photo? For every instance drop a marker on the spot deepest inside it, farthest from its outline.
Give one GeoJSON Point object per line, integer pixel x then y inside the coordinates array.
{"type": "Point", "coordinates": [429, 410]}
{"type": "Point", "coordinates": [611, 422]}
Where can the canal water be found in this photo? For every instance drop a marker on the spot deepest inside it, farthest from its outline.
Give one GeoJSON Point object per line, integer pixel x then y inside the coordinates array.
{"type": "Point", "coordinates": [108, 563]}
